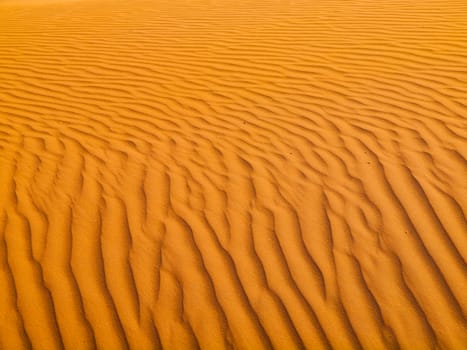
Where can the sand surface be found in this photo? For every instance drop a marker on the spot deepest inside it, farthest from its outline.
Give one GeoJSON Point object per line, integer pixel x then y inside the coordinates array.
{"type": "Point", "coordinates": [233, 174]}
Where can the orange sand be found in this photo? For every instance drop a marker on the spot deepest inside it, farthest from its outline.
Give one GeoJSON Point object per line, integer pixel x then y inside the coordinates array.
{"type": "Point", "coordinates": [224, 174]}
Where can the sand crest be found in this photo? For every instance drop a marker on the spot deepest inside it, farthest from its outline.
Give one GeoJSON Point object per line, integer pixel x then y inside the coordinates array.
{"type": "Point", "coordinates": [233, 174]}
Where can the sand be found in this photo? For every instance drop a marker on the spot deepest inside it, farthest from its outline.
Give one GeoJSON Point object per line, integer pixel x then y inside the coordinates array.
{"type": "Point", "coordinates": [233, 174]}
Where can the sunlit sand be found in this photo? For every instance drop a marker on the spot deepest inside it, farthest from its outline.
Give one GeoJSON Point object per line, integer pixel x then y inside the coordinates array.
{"type": "Point", "coordinates": [233, 174]}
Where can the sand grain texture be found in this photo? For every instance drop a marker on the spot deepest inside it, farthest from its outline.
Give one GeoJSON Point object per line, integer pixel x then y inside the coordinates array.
{"type": "Point", "coordinates": [233, 174]}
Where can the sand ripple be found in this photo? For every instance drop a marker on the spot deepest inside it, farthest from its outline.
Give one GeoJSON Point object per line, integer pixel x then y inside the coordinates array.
{"type": "Point", "coordinates": [233, 174]}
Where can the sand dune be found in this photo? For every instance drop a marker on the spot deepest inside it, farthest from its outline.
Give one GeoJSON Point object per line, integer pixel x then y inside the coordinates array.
{"type": "Point", "coordinates": [233, 174]}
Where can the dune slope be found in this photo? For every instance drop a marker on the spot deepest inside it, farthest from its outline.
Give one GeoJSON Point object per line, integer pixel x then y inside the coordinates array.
{"type": "Point", "coordinates": [233, 174]}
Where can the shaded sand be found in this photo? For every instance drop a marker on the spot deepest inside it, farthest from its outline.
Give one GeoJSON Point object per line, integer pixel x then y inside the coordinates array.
{"type": "Point", "coordinates": [233, 174]}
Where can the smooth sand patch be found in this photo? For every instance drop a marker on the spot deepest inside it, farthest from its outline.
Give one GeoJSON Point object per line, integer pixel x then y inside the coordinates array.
{"type": "Point", "coordinates": [233, 174]}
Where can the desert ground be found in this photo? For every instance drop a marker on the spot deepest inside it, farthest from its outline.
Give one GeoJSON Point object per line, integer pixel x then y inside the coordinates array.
{"type": "Point", "coordinates": [250, 174]}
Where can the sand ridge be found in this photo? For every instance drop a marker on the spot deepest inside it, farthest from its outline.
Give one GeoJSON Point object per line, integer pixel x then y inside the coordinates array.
{"type": "Point", "coordinates": [217, 174]}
